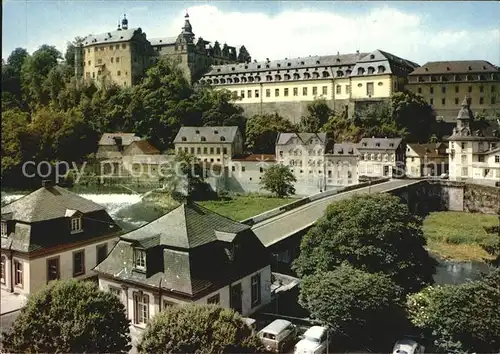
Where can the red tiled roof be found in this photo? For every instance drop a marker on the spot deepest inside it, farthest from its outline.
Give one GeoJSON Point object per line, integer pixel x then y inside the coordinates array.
{"type": "Point", "coordinates": [146, 147]}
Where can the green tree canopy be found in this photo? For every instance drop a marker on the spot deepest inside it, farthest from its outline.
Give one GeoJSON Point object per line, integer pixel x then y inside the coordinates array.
{"type": "Point", "coordinates": [355, 304]}
{"type": "Point", "coordinates": [353, 231]}
{"type": "Point", "coordinates": [414, 115]}
{"type": "Point", "coordinates": [70, 317]}
{"type": "Point", "coordinates": [198, 329]}
{"type": "Point", "coordinates": [278, 179]}
{"type": "Point", "coordinates": [460, 318]}
{"type": "Point", "coordinates": [262, 131]}
{"type": "Point", "coordinates": [318, 114]}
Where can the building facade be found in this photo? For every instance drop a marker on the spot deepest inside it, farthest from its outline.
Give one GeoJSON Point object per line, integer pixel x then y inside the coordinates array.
{"type": "Point", "coordinates": [474, 152]}
{"type": "Point", "coordinates": [443, 84]}
{"type": "Point", "coordinates": [381, 157]}
{"type": "Point", "coordinates": [210, 144]}
{"type": "Point", "coordinates": [288, 86]}
{"type": "Point", "coordinates": [426, 160]}
{"type": "Point", "coordinates": [52, 234]}
{"type": "Point", "coordinates": [113, 145]}
{"type": "Point", "coordinates": [123, 55]}
{"type": "Point", "coordinates": [190, 255]}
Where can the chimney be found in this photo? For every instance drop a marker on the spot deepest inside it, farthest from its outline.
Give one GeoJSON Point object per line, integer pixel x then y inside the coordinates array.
{"type": "Point", "coordinates": [47, 183]}
{"type": "Point", "coordinates": [357, 51]}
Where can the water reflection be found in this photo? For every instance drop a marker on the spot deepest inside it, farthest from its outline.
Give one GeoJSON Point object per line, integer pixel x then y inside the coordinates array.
{"type": "Point", "coordinates": [455, 272]}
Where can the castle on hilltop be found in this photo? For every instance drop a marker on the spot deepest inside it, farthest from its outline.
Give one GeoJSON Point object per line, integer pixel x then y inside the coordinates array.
{"type": "Point", "coordinates": [123, 55]}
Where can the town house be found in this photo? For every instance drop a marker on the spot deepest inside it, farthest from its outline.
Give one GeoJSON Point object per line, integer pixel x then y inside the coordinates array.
{"type": "Point", "coordinates": [381, 157]}
{"type": "Point", "coordinates": [190, 255]}
{"type": "Point", "coordinates": [52, 234]}
{"type": "Point", "coordinates": [426, 160]}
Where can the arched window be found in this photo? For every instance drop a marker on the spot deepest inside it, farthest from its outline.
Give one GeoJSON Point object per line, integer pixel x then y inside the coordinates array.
{"type": "Point", "coordinates": [299, 163]}
{"type": "Point", "coordinates": [222, 138]}
{"type": "Point", "coordinates": [216, 81]}
{"type": "Point", "coordinates": [381, 69]}
{"type": "Point", "coordinates": [307, 76]}
{"type": "Point", "coordinates": [203, 138]}
{"type": "Point", "coordinates": [243, 79]}
{"type": "Point", "coordinates": [315, 75]}
{"type": "Point", "coordinates": [287, 77]}
{"type": "Point", "coordinates": [482, 77]}
{"type": "Point", "coordinates": [386, 157]}
{"type": "Point", "coordinates": [277, 77]}
{"type": "Point", "coordinates": [183, 138]}
{"type": "Point", "coordinates": [209, 81]}
{"type": "Point", "coordinates": [296, 76]}
{"type": "Point", "coordinates": [361, 71]}
{"type": "Point", "coordinates": [250, 79]}
{"type": "Point", "coordinates": [371, 70]}
{"type": "Point", "coordinates": [348, 72]}
{"type": "Point", "coordinates": [257, 78]}
{"type": "Point", "coordinates": [202, 82]}
{"type": "Point", "coordinates": [229, 81]}
{"type": "Point", "coordinates": [319, 163]}
{"type": "Point", "coordinates": [236, 80]}
{"type": "Point", "coordinates": [326, 74]}
{"type": "Point", "coordinates": [222, 81]}
{"type": "Point", "coordinates": [269, 78]}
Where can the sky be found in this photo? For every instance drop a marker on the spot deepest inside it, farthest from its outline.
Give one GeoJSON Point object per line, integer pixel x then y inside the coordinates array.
{"type": "Point", "coordinates": [419, 31]}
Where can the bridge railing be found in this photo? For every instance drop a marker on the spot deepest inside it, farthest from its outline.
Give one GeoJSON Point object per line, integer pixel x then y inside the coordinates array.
{"type": "Point", "coordinates": [303, 201]}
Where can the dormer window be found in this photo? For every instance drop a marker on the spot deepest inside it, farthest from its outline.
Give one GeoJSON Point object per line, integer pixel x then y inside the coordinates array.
{"type": "Point", "coordinates": [4, 228]}
{"type": "Point", "coordinates": [222, 138]}
{"type": "Point", "coordinates": [377, 144]}
{"type": "Point", "coordinates": [203, 138]}
{"type": "Point", "coordinates": [183, 138]}
{"type": "Point", "coordinates": [391, 144]}
{"type": "Point", "coordinates": [140, 259]}
{"type": "Point", "coordinates": [76, 225]}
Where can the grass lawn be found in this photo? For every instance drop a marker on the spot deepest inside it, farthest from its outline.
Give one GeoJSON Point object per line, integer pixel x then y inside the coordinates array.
{"type": "Point", "coordinates": [459, 235]}
{"type": "Point", "coordinates": [242, 207]}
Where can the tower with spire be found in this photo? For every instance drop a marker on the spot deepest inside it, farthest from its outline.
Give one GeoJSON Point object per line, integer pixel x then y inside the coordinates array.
{"type": "Point", "coordinates": [124, 22]}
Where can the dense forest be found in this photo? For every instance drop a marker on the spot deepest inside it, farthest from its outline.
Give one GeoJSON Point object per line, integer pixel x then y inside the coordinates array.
{"type": "Point", "coordinates": [47, 116]}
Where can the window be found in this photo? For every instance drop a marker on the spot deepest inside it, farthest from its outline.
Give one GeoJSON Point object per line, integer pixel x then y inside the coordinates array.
{"type": "Point", "coordinates": [369, 88]}
{"type": "Point", "coordinates": [431, 90]}
{"type": "Point", "coordinates": [18, 273]}
{"type": "Point", "coordinates": [192, 150]}
{"type": "Point", "coordinates": [443, 89]}
{"type": "Point", "coordinates": [124, 46]}
{"type": "Point", "coordinates": [115, 291]}
{"type": "Point", "coordinates": [2, 270]}
{"type": "Point", "coordinates": [457, 89]}
{"type": "Point", "coordinates": [255, 284]}
{"type": "Point", "coordinates": [304, 91]}
{"type": "Point", "coordinates": [315, 90]}
{"type": "Point", "coordinates": [493, 100]}
{"type": "Point", "coordinates": [242, 168]}
{"type": "Point", "coordinates": [140, 259]}
{"type": "Point", "coordinates": [93, 74]}
{"type": "Point", "coordinates": [285, 92]}
{"type": "Point", "coordinates": [469, 89]}
{"type": "Point", "coordinates": [419, 90]}
{"type": "Point", "coordinates": [224, 150]}
{"type": "Point", "coordinates": [141, 308]}
{"type": "Point", "coordinates": [338, 89]}
{"type": "Point", "coordinates": [456, 100]}
{"type": "Point", "coordinates": [443, 101]}
{"type": "Point", "coordinates": [218, 151]}
{"type": "Point", "coordinates": [118, 73]}
{"type": "Point", "coordinates": [497, 158]}
{"type": "Point", "coordinates": [481, 100]}
{"type": "Point", "coordinates": [295, 91]}
{"type": "Point", "coordinates": [480, 158]}
{"type": "Point", "coordinates": [205, 150]}
{"type": "Point", "coordinates": [76, 225]}
{"type": "Point", "coordinates": [211, 151]}
{"type": "Point", "coordinates": [249, 93]}
{"type": "Point", "coordinates": [53, 272]}
{"type": "Point", "coordinates": [102, 253]}
{"type": "Point", "coordinates": [256, 93]}
{"type": "Point", "coordinates": [167, 304]}
{"type": "Point", "coordinates": [117, 59]}
{"type": "Point", "coordinates": [214, 299]}
{"type": "Point", "coordinates": [198, 150]}
{"type": "Point", "coordinates": [493, 88]}
{"type": "Point", "coordinates": [78, 263]}
{"type": "Point", "coordinates": [4, 228]}
{"type": "Point", "coordinates": [431, 101]}
{"type": "Point", "coordinates": [276, 92]}
{"type": "Point", "coordinates": [325, 90]}
{"type": "Point", "coordinates": [242, 94]}
{"type": "Point", "coordinates": [347, 89]}
{"type": "Point", "coordinates": [261, 169]}
{"type": "Point", "coordinates": [268, 93]}
{"type": "Point", "coordinates": [481, 88]}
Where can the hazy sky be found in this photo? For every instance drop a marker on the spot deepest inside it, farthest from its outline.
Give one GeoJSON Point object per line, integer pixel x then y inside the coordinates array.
{"type": "Point", "coordinates": [418, 31]}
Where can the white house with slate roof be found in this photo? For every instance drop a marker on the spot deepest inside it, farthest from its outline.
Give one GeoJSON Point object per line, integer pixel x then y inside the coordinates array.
{"type": "Point", "coordinates": [190, 255]}
{"type": "Point", "coordinates": [52, 234]}
{"type": "Point", "coordinates": [380, 157]}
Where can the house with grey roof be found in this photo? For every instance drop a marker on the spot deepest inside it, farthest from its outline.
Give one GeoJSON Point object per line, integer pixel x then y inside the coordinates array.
{"type": "Point", "coordinates": [341, 164]}
{"type": "Point", "coordinates": [52, 234]}
{"type": "Point", "coordinates": [210, 144]}
{"type": "Point", "coordinates": [190, 255]}
{"type": "Point", "coordinates": [474, 148]}
{"type": "Point", "coordinates": [113, 145]}
{"type": "Point", "coordinates": [426, 159]}
{"type": "Point", "coordinates": [381, 157]}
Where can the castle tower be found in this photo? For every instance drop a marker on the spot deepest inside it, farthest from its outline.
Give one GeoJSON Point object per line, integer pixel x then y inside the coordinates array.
{"type": "Point", "coordinates": [465, 116]}
{"type": "Point", "coordinates": [78, 61]}
{"type": "Point", "coordinates": [187, 30]}
{"type": "Point", "coordinates": [124, 22]}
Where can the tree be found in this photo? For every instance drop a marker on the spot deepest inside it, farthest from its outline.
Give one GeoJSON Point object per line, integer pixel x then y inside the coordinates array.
{"type": "Point", "coordinates": [353, 231]}
{"type": "Point", "coordinates": [355, 304]}
{"type": "Point", "coordinates": [278, 179]}
{"type": "Point", "coordinates": [11, 79]}
{"type": "Point", "coordinates": [460, 318]}
{"type": "Point", "coordinates": [17, 58]}
{"type": "Point", "coordinates": [262, 130]}
{"type": "Point", "coordinates": [198, 329]}
{"type": "Point", "coordinates": [341, 128]}
{"type": "Point", "coordinates": [411, 112]}
{"type": "Point", "coordinates": [70, 317]}
{"type": "Point", "coordinates": [318, 114]}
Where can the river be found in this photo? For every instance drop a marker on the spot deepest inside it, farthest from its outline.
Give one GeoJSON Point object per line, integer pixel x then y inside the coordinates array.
{"type": "Point", "coordinates": [130, 212]}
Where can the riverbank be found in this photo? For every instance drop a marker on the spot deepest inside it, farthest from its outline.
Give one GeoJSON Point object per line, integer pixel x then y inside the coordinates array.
{"type": "Point", "coordinates": [461, 236]}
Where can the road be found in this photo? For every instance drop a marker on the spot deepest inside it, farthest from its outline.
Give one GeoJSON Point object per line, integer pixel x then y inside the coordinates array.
{"type": "Point", "coordinates": [7, 320]}
{"type": "Point", "coordinates": [282, 226]}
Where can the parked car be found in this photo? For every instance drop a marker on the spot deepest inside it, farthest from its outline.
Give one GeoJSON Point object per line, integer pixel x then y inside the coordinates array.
{"type": "Point", "coordinates": [278, 336]}
{"type": "Point", "coordinates": [315, 341]}
{"type": "Point", "coordinates": [408, 346]}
